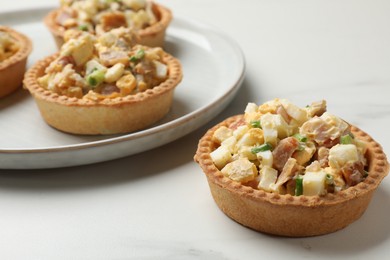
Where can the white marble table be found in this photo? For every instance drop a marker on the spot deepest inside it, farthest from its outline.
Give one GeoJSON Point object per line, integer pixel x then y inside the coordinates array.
{"type": "Point", "coordinates": [157, 204]}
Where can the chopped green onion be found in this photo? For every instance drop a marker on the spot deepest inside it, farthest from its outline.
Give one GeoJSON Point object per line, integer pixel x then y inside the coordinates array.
{"type": "Point", "coordinates": [83, 27]}
{"type": "Point", "coordinates": [261, 148]}
{"type": "Point", "coordinates": [365, 173]}
{"type": "Point", "coordinates": [346, 139]}
{"type": "Point", "coordinates": [95, 78]}
{"type": "Point", "coordinates": [138, 56]}
{"type": "Point", "coordinates": [298, 185]}
{"type": "Point", "coordinates": [329, 179]}
{"type": "Point", "coordinates": [300, 137]}
{"type": "Point", "coordinates": [256, 124]}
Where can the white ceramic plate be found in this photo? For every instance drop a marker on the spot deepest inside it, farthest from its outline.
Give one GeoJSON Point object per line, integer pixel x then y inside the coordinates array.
{"type": "Point", "coordinates": [213, 68]}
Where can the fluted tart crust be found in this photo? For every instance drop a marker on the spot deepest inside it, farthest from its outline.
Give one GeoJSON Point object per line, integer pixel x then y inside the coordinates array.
{"type": "Point", "coordinates": [285, 214]}
{"type": "Point", "coordinates": [12, 68]}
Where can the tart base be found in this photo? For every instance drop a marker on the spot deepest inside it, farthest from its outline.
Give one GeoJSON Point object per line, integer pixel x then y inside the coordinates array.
{"type": "Point", "coordinates": [288, 220]}
{"type": "Point", "coordinates": [286, 215]}
{"type": "Point", "coordinates": [101, 120]}
{"type": "Point", "coordinates": [152, 36]}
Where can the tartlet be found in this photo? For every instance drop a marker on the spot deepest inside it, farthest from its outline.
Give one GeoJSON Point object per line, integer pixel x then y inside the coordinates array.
{"type": "Point", "coordinates": [107, 98]}
{"type": "Point", "coordinates": [12, 68]}
{"type": "Point", "coordinates": [289, 214]}
{"type": "Point", "coordinates": [152, 35]}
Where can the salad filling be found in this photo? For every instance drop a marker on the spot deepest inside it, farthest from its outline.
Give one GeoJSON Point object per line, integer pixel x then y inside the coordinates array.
{"type": "Point", "coordinates": [8, 45]}
{"type": "Point", "coordinates": [99, 16]}
{"type": "Point", "coordinates": [107, 66]}
{"type": "Point", "coordinates": [282, 148]}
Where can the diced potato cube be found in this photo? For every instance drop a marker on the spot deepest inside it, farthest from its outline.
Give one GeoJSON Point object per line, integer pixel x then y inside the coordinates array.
{"type": "Point", "coordinates": [314, 183]}
{"type": "Point", "coordinates": [221, 156]}
{"type": "Point", "coordinates": [241, 170]}
{"type": "Point", "coordinates": [268, 177]}
{"type": "Point", "coordinates": [83, 50]}
{"type": "Point", "coordinates": [230, 143]}
{"type": "Point", "coordinates": [266, 158]}
{"type": "Point", "coordinates": [221, 134]}
{"type": "Point", "coordinates": [340, 154]}
{"type": "Point", "coordinates": [161, 69]}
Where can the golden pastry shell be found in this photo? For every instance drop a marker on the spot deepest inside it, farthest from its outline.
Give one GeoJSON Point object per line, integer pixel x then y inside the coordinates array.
{"type": "Point", "coordinates": [12, 69]}
{"type": "Point", "coordinates": [106, 116]}
{"type": "Point", "coordinates": [286, 215]}
{"type": "Point", "coordinates": [152, 36]}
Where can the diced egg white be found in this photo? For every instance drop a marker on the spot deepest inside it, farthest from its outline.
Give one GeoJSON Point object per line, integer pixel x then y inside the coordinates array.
{"type": "Point", "coordinates": [266, 158]}
{"type": "Point", "coordinates": [270, 136]}
{"type": "Point", "coordinates": [83, 50]}
{"type": "Point", "coordinates": [268, 177]}
{"type": "Point", "coordinates": [240, 131]}
{"type": "Point", "coordinates": [314, 183]}
{"type": "Point", "coordinates": [340, 154]}
{"type": "Point", "coordinates": [114, 73]}
{"type": "Point", "coordinates": [251, 108]}
{"type": "Point", "coordinates": [161, 69]}
{"type": "Point", "coordinates": [221, 156]}
{"type": "Point", "coordinates": [275, 121]}
{"type": "Point", "coordinates": [230, 143]}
